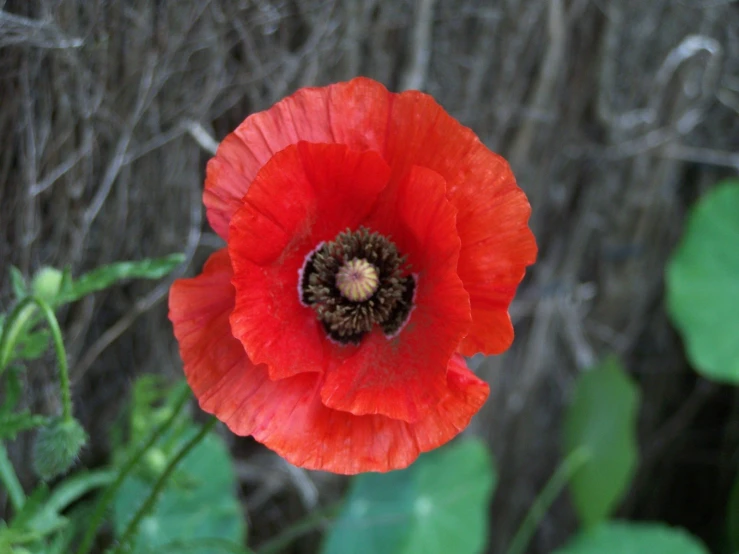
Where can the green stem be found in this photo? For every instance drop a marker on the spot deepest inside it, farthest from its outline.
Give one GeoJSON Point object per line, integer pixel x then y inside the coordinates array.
{"type": "Point", "coordinates": [546, 497]}
{"type": "Point", "coordinates": [148, 504]}
{"type": "Point", "coordinates": [14, 326]}
{"type": "Point", "coordinates": [61, 356]}
{"type": "Point", "coordinates": [133, 460]}
{"type": "Point", "coordinates": [10, 480]}
{"type": "Point", "coordinates": [302, 527]}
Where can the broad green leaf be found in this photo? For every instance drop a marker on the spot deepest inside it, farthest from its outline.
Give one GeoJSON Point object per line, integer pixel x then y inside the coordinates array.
{"type": "Point", "coordinates": [377, 515]}
{"type": "Point", "coordinates": [108, 275]}
{"type": "Point", "coordinates": [12, 424]}
{"type": "Point", "coordinates": [601, 419]}
{"type": "Point", "coordinates": [437, 506]}
{"type": "Point", "coordinates": [633, 538]}
{"type": "Point", "coordinates": [200, 503]}
{"type": "Point", "coordinates": [703, 284]}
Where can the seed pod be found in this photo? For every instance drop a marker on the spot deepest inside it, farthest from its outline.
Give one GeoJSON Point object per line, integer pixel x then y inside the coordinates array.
{"type": "Point", "coordinates": [57, 447]}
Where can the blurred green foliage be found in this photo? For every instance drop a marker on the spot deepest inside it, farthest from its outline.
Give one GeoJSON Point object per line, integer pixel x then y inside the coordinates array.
{"type": "Point", "coordinates": [199, 502]}
{"type": "Point", "coordinates": [703, 284]}
{"type": "Point", "coordinates": [436, 506]}
{"type": "Point", "coordinates": [601, 420]}
{"type": "Point", "coordinates": [58, 287]}
{"type": "Point", "coordinates": [46, 523]}
{"type": "Point", "coordinates": [617, 537]}
{"type": "Point", "coordinates": [48, 520]}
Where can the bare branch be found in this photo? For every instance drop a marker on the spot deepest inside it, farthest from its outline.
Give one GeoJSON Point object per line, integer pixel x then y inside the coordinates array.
{"type": "Point", "coordinates": [414, 76]}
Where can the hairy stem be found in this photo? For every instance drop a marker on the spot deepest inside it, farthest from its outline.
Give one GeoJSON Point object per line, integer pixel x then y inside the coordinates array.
{"type": "Point", "coordinates": [61, 356]}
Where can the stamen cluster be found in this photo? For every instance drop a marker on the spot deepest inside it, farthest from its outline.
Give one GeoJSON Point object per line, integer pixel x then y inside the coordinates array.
{"type": "Point", "coordinates": [356, 281]}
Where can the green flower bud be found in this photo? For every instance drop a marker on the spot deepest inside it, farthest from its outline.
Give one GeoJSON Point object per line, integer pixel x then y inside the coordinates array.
{"type": "Point", "coordinates": [46, 283]}
{"type": "Point", "coordinates": [155, 461]}
{"type": "Point", "coordinates": [57, 446]}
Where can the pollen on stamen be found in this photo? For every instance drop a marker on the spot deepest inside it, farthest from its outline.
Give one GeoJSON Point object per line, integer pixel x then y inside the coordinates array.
{"type": "Point", "coordinates": [357, 280]}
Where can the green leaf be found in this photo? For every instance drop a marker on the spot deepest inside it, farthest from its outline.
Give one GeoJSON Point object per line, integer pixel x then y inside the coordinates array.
{"type": "Point", "coordinates": [18, 283]}
{"type": "Point", "coordinates": [73, 488]}
{"type": "Point", "coordinates": [10, 482]}
{"type": "Point", "coordinates": [10, 537]}
{"type": "Point", "coordinates": [37, 516]}
{"type": "Point", "coordinates": [437, 506]}
{"type": "Point", "coordinates": [33, 345]}
{"type": "Point", "coordinates": [703, 284]}
{"type": "Point", "coordinates": [633, 538]}
{"type": "Point", "coordinates": [602, 420]}
{"type": "Point", "coordinates": [12, 424]}
{"type": "Point", "coordinates": [60, 543]}
{"type": "Point", "coordinates": [108, 275]}
{"type": "Point", "coordinates": [41, 514]}
{"type": "Point", "coordinates": [199, 504]}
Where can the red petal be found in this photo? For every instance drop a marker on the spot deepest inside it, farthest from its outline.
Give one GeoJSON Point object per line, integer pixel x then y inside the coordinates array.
{"type": "Point", "coordinates": [492, 264]}
{"type": "Point", "coordinates": [287, 415]}
{"type": "Point", "coordinates": [304, 195]}
{"type": "Point", "coordinates": [493, 212]}
{"type": "Point", "coordinates": [199, 310]}
{"type": "Point", "coordinates": [227, 178]}
{"type": "Point", "coordinates": [407, 129]}
{"type": "Point", "coordinates": [467, 393]}
{"type": "Point", "coordinates": [404, 376]}
{"type": "Point", "coordinates": [353, 113]}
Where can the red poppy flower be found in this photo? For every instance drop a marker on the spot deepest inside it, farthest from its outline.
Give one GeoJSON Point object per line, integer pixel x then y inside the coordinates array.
{"type": "Point", "coordinates": [372, 241]}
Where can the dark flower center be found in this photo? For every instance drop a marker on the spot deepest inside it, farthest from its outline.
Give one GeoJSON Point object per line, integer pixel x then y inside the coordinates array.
{"type": "Point", "coordinates": [356, 281]}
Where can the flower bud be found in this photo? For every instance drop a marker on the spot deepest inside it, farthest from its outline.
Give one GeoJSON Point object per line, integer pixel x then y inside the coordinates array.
{"type": "Point", "coordinates": [155, 461]}
{"type": "Point", "coordinates": [46, 283]}
{"type": "Point", "coordinates": [57, 447]}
